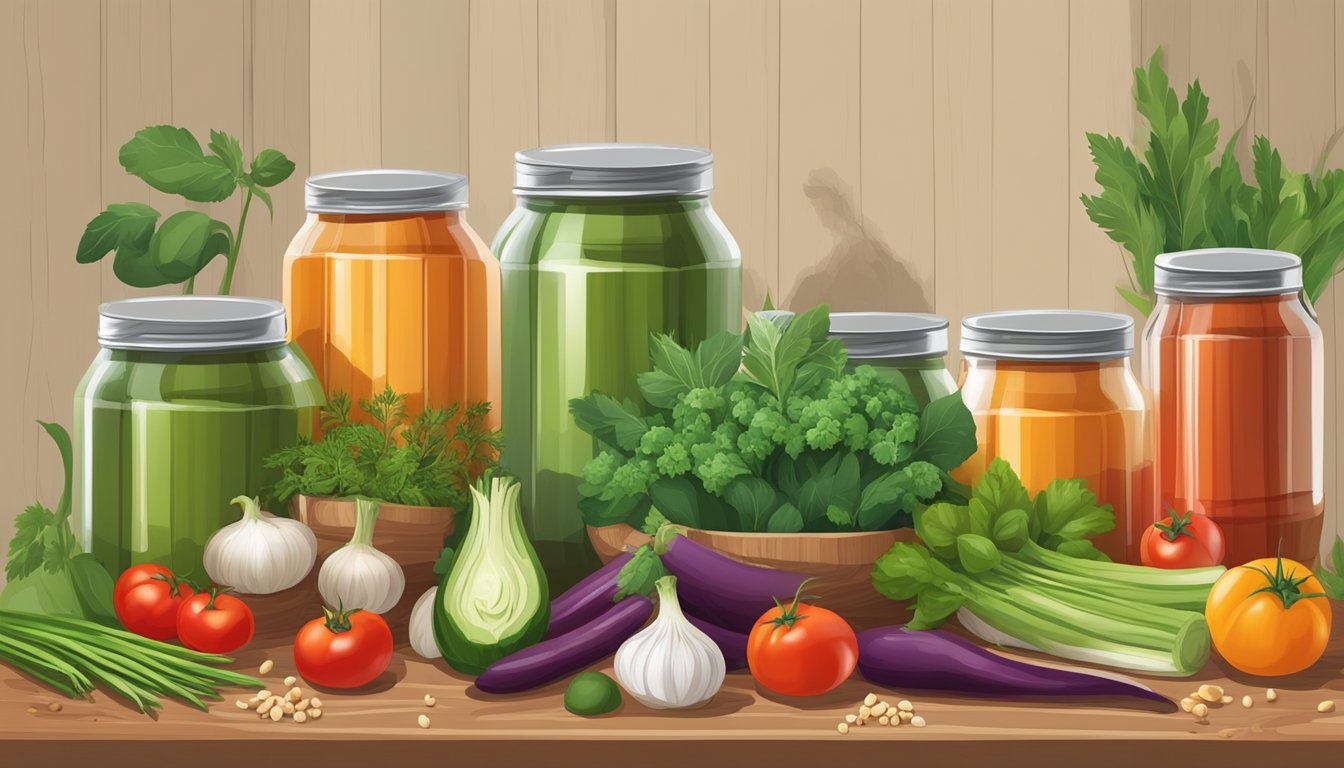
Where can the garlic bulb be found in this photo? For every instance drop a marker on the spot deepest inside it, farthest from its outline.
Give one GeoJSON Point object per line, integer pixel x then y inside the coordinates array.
{"type": "Point", "coordinates": [670, 664]}
{"type": "Point", "coordinates": [357, 575]}
{"type": "Point", "coordinates": [422, 625]}
{"type": "Point", "coordinates": [260, 554]}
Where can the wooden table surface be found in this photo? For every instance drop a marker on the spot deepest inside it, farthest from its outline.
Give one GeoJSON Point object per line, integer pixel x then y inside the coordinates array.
{"type": "Point", "coordinates": [741, 723]}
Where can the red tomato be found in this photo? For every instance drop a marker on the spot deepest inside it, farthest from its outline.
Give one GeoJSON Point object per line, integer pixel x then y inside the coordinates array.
{"type": "Point", "coordinates": [1188, 540]}
{"type": "Point", "coordinates": [215, 622]}
{"type": "Point", "coordinates": [147, 598]}
{"type": "Point", "coordinates": [343, 649]}
{"type": "Point", "coordinates": [801, 650]}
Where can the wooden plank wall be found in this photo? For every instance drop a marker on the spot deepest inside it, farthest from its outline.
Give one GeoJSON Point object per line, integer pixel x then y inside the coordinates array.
{"type": "Point", "coordinates": [875, 154]}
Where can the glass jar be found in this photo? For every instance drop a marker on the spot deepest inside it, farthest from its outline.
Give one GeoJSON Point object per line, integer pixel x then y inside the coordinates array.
{"type": "Point", "coordinates": [387, 285]}
{"type": "Point", "coordinates": [1235, 365]}
{"type": "Point", "coordinates": [906, 348]}
{"type": "Point", "coordinates": [175, 417]}
{"type": "Point", "coordinates": [609, 244]}
{"type": "Point", "coordinates": [1053, 394]}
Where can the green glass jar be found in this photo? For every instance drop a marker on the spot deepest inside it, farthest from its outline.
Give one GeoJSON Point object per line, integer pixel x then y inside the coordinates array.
{"type": "Point", "coordinates": [608, 244]}
{"type": "Point", "coordinates": [176, 416]}
{"type": "Point", "coordinates": [904, 347]}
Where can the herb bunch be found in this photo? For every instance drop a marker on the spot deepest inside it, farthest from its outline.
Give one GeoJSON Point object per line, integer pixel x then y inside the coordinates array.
{"type": "Point", "coordinates": [767, 432]}
{"type": "Point", "coordinates": [429, 460]}
{"type": "Point", "coordinates": [171, 160]}
{"type": "Point", "coordinates": [1178, 197]}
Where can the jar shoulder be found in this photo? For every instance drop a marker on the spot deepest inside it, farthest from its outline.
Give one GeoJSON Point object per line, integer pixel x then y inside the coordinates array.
{"type": "Point", "coordinates": [659, 236]}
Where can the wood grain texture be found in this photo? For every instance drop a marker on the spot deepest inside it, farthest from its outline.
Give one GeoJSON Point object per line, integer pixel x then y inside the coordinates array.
{"type": "Point", "coordinates": [576, 71]}
{"type": "Point", "coordinates": [424, 80]}
{"type": "Point", "coordinates": [662, 71]}
{"type": "Point", "coordinates": [345, 75]}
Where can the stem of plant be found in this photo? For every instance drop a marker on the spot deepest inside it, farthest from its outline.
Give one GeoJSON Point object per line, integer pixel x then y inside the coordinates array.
{"type": "Point", "coordinates": [227, 283]}
{"type": "Point", "coordinates": [189, 287]}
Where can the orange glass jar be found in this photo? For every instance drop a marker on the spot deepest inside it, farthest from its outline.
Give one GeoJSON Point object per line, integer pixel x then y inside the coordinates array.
{"type": "Point", "coordinates": [387, 285]}
{"type": "Point", "coordinates": [1234, 361]}
{"type": "Point", "coordinates": [1053, 394]}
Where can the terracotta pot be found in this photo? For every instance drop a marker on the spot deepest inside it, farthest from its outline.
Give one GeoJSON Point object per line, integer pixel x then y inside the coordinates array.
{"type": "Point", "coordinates": [842, 563]}
{"type": "Point", "coordinates": [413, 536]}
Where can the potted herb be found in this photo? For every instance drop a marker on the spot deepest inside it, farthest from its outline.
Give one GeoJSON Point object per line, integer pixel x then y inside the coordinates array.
{"type": "Point", "coordinates": [170, 159]}
{"type": "Point", "coordinates": [764, 448]}
{"type": "Point", "coordinates": [1179, 196]}
{"type": "Point", "coordinates": [420, 469]}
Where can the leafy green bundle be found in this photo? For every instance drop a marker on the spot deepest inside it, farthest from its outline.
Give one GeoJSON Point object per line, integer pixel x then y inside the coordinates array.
{"type": "Point", "coordinates": [766, 432]}
{"type": "Point", "coordinates": [48, 572]}
{"type": "Point", "coordinates": [1024, 573]}
{"type": "Point", "coordinates": [426, 461]}
{"type": "Point", "coordinates": [1177, 198]}
{"type": "Point", "coordinates": [170, 160]}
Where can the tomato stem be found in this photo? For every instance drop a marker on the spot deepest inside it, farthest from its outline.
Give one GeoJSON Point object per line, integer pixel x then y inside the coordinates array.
{"type": "Point", "coordinates": [789, 616]}
{"type": "Point", "coordinates": [1281, 585]}
{"type": "Point", "coordinates": [1180, 524]}
{"type": "Point", "coordinates": [215, 591]}
{"type": "Point", "coordinates": [338, 621]}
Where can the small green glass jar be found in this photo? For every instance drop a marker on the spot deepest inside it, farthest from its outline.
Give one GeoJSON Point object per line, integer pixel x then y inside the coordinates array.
{"type": "Point", "coordinates": [175, 417]}
{"type": "Point", "coordinates": [908, 348]}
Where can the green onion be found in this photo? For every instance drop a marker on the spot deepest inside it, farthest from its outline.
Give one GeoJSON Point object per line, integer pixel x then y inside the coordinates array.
{"type": "Point", "coordinates": [73, 656]}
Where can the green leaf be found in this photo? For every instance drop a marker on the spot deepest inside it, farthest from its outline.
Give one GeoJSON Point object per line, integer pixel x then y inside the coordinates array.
{"type": "Point", "coordinates": [946, 433]}
{"type": "Point", "coordinates": [1082, 549]}
{"type": "Point", "coordinates": [676, 498]}
{"type": "Point", "coordinates": [28, 547]}
{"type": "Point", "coordinates": [170, 160]}
{"type": "Point", "coordinates": [654, 522]}
{"type": "Point", "coordinates": [638, 576]}
{"type": "Point", "coordinates": [93, 587]}
{"type": "Point", "coordinates": [261, 194]}
{"type": "Point", "coordinates": [1121, 210]}
{"type": "Point", "coordinates": [772, 358]}
{"type": "Point", "coordinates": [61, 438]}
{"type": "Point", "coordinates": [1068, 511]}
{"type": "Point", "coordinates": [1331, 572]}
{"type": "Point", "coordinates": [977, 553]}
{"type": "Point", "coordinates": [933, 607]}
{"type": "Point", "coordinates": [1000, 489]}
{"type": "Point", "coordinates": [119, 224]}
{"type": "Point", "coordinates": [598, 512]}
{"type": "Point", "coordinates": [904, 571]}
{"type": "Point", "coordinates": [228, 149]}
{"type": "Point", "coordinates": [609, 421]}
{"type": "Point", "coordinates": [718, 358]}
{"type": "Point", "coordinates": [977, 515]}
{"type": "Point", "coordinates": [786, 519]}
{"type": "Point", "coordinates": [1012, 530]}
{"type": "Point", "coordinates": [185, 243]}
{"type": "Point", "coordinates": [444, 563]}
{"type": "Point", "coordinates": [270, 167]}
{"type": "Point", "coordinates": [661, 389]}
{"type": "Point", "coordinates": [939, 525]}
{"type": "Point", "coordinates": [674, 360]}
{"type": "Point", "coordinates": [839, 516]}
{"type": "Point", "coordinates": [754, 500]}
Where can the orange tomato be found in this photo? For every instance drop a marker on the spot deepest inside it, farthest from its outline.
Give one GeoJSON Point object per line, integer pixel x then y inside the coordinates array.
{"type": "Point", "coordinates": [1269, 617]}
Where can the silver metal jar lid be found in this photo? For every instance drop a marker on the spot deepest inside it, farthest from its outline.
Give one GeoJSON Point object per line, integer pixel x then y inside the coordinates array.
{"type": "Point", "coordinates": [875, 335]}
{"type": "Point", "coordinates": [613, 170]}
{"type": "Point", "coordinates": [1227, 272]}
{"type": "Point", "coordinates": [385, 190]}
{"type": "Point", "coordinates": [1048, 334]}
{"type": "Point", "coordinates": [191, 323]}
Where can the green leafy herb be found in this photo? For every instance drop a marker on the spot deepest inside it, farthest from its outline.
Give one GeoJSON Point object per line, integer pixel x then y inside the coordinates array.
{"type": "Point", "coordinates": [429, 460]}
{"type": "Point", "coordinates": [1177, 198]}
{"type": "Point", "coordinates": [767, 432]}
{"type": "Point", "coordinates": [640, 575]}
{"type": "Point", "coordinates": [1331, 572]}
{"type": "Point", "coordinates": [171, 160]}
{"type": "Point", "coordinates": [1025, 573]}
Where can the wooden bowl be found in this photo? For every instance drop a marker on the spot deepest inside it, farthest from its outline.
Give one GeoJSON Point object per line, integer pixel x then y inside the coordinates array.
{"type": "Point", "coordinates": [841, 563]}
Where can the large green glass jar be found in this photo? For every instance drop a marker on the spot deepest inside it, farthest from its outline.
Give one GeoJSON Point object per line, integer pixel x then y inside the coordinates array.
{"type": "Point", "coordinates": [904, 347]}
{"type": "Point", "coordinates": [609, 243]}
{"type": "Point", "coordinates": [176, 416]}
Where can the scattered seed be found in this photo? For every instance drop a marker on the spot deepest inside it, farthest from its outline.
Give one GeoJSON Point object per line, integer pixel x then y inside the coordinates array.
{"type": "Point", "coordinates": [870, 699]}
{"type": "Point", "coordinates": [843, 728]}
{"type": "Point", "coordinates": [906, 716]}
{"type": "Point", "coordinates": [1227, 699]}
{"type": "Point", "coordinates": [294, 694]}
{"type": "Point", "coordinates": [241, 704]}
{"type": "Point", "coordinates": [288, 707]}
{"type": "Point", "coordinates": [32, 710]}
{"type": "Point", "coordinates": [905, 706]}
{"type": "Point", "coordinates": [1271, 694]}
{"type": "Point", "coordinates": [277, 712]}
{"type": "Point", "coordinates": [423, 720]}
{"type": "Point", "coordinates": [264, 694]}
{"type": "Point", "coordinates": [1247, 702]}
{"type": "Point", "coordinates": [252, 702]}
{"type": "Point", "coordinates": [54, 706]}
{"type": "Point", "coordinates": [1211, 693]}
{"type": "Point", "coordinates": [266, 667]}
{"type": "Point", "coordinates": [1323, 707]}
{"type": "Point", "coordinates": [1200, 710]}
{"type": "Point", "coordinates": [315, 702]}
{"type": "Point", "coordinates": [301, 704]}
{"type": "Point", "coordinates": [290, 681]}
{"type": "Point", "coordinates": [860, 722]}
{"type": "Point", "coordinates": [917, 721]}
{"type": "Point", "coordinates": [430, 700]}
{"type": "Point", "coordinates": [880, 709]}
{"type": "Point", "coordinates": [884, 720]}
{"type": "Point", "coordinates": [314, 713]}
{"type": "Point", "coordinates": [865, 712]}
{"type": "Point", "coordinates": [851, 719]}
{"type": "Point", "coordinates": [1187, 704]}
{"type": "Point", "coordinates": [300, 717]}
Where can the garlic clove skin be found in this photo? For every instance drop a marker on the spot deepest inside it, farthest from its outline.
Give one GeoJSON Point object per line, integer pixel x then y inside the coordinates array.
{"type": "Point", "coordinates": [422, 625]}
{"type": "Point", "coordinates": [670, 664]}
{"type": "Point", "coordinates": [262, 553]}
{"type": "Point", "coordinates": [357, 575]}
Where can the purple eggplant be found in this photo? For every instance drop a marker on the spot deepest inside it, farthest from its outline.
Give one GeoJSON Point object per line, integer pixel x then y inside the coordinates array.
{"type": "Point", "coordinates": [732, 644]}
{"type": "Point", "coordinates": [719, 589]}
{"type": "Point", "coordinates": [934, 660]}
{"type": "Point", "coordinates": [562, 656]}
{"type": "Point", "coordinates": [586, 600]}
